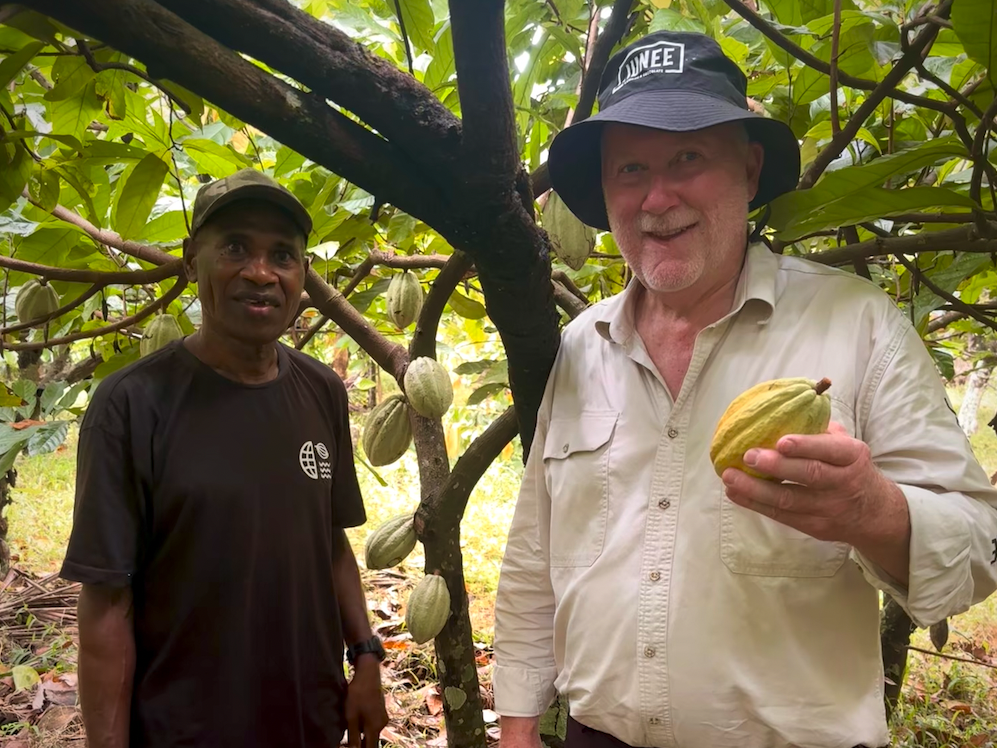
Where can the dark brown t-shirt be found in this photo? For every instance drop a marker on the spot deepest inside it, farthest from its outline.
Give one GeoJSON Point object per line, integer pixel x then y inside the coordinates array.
{"type": "Point", "coordinates": [217, 503]}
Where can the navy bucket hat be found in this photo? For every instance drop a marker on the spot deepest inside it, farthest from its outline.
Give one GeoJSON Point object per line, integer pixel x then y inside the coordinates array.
{"type": "Point", "coordinates": [675, 81]}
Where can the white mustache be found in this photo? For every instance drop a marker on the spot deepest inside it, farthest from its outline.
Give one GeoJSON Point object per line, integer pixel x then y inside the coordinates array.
{"type": "Point", "coordinates": [649, 224]}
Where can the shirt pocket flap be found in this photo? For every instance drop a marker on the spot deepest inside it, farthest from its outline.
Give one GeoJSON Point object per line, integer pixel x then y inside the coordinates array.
{"type": "Point", "coordinates": [585, 433]}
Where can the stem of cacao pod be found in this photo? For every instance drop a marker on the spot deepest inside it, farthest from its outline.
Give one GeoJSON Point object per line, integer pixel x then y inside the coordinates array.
{"type": "Point", "coordinates": [822, 385]}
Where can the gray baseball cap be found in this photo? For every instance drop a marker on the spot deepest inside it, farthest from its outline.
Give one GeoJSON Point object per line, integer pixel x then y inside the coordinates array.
{"type": "Point", "coordinates": [243, 185]}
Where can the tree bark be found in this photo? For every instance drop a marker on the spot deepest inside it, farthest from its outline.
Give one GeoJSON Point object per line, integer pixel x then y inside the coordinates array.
{"type": "Point", "coordinates": [6, 486]}
{"type": "Point", "coordinates": [896, 628]}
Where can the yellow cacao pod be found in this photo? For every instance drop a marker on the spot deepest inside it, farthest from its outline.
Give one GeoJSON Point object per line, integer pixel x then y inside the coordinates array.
{"type": "Point", "coordinates": [404, 299]}
{"type": "Point", "coordinates": [390, 543]}
{"type": "Point", "coordinates": [34, 300]}
{"type": "Point", "coordinates": [763, 414]}
{"type": "Point", "coordinates": [161, 330]}
{"type": "Point", "coordinates": [428, 608]}
{"type": "Point", "coordinates": [388, 431]}
{"type": "Point", "coordinates": [428, 387]}
{"type": "Point", "coordinates": [571, 240]}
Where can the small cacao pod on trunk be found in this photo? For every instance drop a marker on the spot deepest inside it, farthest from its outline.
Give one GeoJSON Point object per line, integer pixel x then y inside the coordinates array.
{"type": "Point", "coordinates": [428, 387]}
{"type": "Point", "coordinates": [428, 608]}
{"type": "Point", "coordinates": [390, 543]}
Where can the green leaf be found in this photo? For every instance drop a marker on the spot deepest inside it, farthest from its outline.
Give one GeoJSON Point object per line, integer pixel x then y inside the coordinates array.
{"type": "Point", "coordinates": [947, 279]}
{"type": "Point", "coordinates": [362, 300]}
{"type": "Point", "coordinates": [669, 19]}
{"type": "Point", "coordinates": [822, 131]}
{"type": "Point", "coordinates": [975, 23]}
{"type": "Point", "coordinates": [287, 161]}
{"type": "Point", "coordinates": [419, 22]}
{"type": "Point", "coordinates": [165, 229]}
{"type": "Point", "coordinates": [25, 677]}
{"type": "Point", "coordinates": [111, 88]}
{"type": "Point", "coordinates": [485, 391]}
{"type": "Point", "coordinates": [217, 160]}
{"type": "Point", "coordinates": [44, 189]}
{"type": "Point", "coordinates": [866, 204]}
{"type": "Point", "coordinates": [48, 438]}
{"type": "Point", "coordinates": [442, 66]}
{"type": "Point", "coordinates": [70, 75]}
{"type": "Point", "coordinates": [465, 307]}
{"type": "Point", "coordinates": [72, 116]}
{"type": "Point", "coordinates": [479, 367]}
{"type": "Point", "coordinates": [14, 64]}
{"type": "Point", "coordinates": [138, 195]}
{"type": "Point", "coordinates": [9, 457]}
{"type": "Point", "coordinates": [401, 228]}
{"type": "Point", "coordinates": [69, 140]}
{"type": "Point", "coordinates": [115, 362]}
{"type": "Point", "coordinates": [14, 176]}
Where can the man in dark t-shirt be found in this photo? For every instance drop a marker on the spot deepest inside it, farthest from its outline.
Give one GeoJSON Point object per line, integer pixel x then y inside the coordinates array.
{"type": "Point", "coordinates": [215, 478]}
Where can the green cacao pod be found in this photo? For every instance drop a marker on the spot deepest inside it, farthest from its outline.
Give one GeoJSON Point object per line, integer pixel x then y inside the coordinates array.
{"type": "Point", "coordinates": [390, 543]}
{"type": "Point", "coordinates": [161, 330]}
{"type": "Point", "coordinates": [388, 431]}
{"type": "Point", "coordinates": [428, 387]}
{"type": "Point", "coordinates": [428, 608]}
{"type": "Point", "coordinates": [570, 239]}
{"type": "Point", "coordinates": [404, 299]}
{"type": "Point", "coordinates": [760, 416]}
{"type": "Point", "coordinates": [34, 300]}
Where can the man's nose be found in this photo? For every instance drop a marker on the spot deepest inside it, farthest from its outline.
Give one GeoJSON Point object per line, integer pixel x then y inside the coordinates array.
{"type": "Point", "coordinates": [257, 270]}
{"type": "Point", "coordinates": [661, 195]}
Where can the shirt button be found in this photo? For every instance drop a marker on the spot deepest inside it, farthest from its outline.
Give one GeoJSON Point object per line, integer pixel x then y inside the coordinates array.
{"type": "Point", "coordinates": [664, 504]}
{"type": "Point", "coordinates": [654, 720]}
{"type": "Point", "coordinates": [655, 576]}
{"type": "Point", "coordinates": [649, 651]}
{"type": "Point", "coordinates": [565, 449]}
{"type": "Point", "coordinates": [672, 433]}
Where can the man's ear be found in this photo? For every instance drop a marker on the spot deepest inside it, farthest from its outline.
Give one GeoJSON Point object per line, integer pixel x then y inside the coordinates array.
{"type": "Point", "coordinates": [189, 260]}
{"type": "Point", "coordinates": [755, 161]}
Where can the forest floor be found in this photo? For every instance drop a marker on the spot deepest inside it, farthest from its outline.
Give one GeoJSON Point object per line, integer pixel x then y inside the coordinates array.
{"type": "Point", "coordinates": [949, 697]}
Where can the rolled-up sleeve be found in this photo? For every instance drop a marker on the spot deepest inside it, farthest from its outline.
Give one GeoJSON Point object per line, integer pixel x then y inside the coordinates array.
{"type": "Point", "coordinates": [916, 441]}
{"type": "Point", "coordinates": [525, 670]}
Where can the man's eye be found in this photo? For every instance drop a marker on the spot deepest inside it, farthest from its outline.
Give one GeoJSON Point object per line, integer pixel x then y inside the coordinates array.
{"type": "Point", "coordinates": [687, 157]}
{"type": "Point", "coordinates": [630, 168]}
{"type": "Point", "coordinates": [283, 256]}
{"type": "Point", "coordinates": [234, 248]}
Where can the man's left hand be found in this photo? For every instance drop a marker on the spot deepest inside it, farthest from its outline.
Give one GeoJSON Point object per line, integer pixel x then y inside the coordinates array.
{"type": "Point", "coordinates": [834, 491]}
{"type": "Point", "coordinates": [365, 711]}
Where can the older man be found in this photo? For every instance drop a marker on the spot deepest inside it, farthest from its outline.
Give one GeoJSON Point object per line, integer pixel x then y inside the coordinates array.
{"type": "Point", "coordinates": [672, 607]}
{"type": "Point", "coordinates": [214, 483]}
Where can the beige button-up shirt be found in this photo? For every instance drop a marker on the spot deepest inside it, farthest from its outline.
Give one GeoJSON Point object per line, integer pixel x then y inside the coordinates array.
{"type": "Point", "coordinates": [670, 616]}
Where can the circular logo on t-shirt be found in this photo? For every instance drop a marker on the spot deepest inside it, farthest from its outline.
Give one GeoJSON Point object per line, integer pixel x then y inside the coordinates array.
{"type": "Point", "coordinates": [321, 451]}
{"type": "Point", "coordinates": [306, 456]}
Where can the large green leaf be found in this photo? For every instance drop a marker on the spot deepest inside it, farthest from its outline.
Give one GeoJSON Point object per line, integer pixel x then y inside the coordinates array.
{"type": "Point", "coordinates": [419, 22]}
{"type": "Point", "coordinates": [866, 204]}
{"type": "Point", "coordinates": [441, 67]}
{"type": "Point", "coordinates": [214, 159]}
{"type": "Point", "coordinates": [48, 438]}
{"type": "Point", "coordinates": [165, 229]}
{"type": "Point", "coordinates": [14, 174]}
{"type": "Point", "coordinates": [975, 22]}
{"type": "Point", "coordinates": [14, 64]}
{"type": "Point", "coordinates": [70, 75]}
{"type": "Point", "coordinates": [138, 195]}
{"type": "Point", "coordinates": [947, 279]}
{"type": "Point", "coordinates": [73, 115]}
{"type": "Point", "coordinates": [287, 161]}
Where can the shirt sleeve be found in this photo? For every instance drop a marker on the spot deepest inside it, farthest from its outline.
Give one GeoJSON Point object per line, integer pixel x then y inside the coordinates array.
{"type": "Point", "coordinates": [105, 542]}
{"type": "Point", "coordinates": [347, 502]}
{"type": "Point", "coordinates": [917, 442]}
{"type": "Point", "coordinates": [525, 669]}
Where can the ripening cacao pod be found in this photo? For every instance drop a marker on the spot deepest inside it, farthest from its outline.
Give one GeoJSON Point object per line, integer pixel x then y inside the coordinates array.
{"type": "Point", "coordinates": [388, 431]}
{"type": "Point", "coordinates": [763, 414]}
{"type": "Point", "coordinates": [404, 299]}
{"type": "Point", "coordinates": [34, 300]}
{"type": "Point", "coordinates": [161, 330]}
{"type": "Point", "coordinates": [428, 608]}
{"type": "Point", "coordinates": [571, 240]}
{"type": "Point", "coordinates": [428, 387]}
{"type": "Point", "coordinates": [390, 543]}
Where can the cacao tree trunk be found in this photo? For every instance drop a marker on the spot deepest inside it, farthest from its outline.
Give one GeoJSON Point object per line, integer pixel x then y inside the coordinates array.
{"type": "Point", "coordinates": [975, 384]}
{"type": "Point", "coordinates": [895, 630]}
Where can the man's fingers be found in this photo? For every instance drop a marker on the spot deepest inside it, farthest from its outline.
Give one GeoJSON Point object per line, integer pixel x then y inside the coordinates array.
{"type": "Point", "coordinates": [834, 448]}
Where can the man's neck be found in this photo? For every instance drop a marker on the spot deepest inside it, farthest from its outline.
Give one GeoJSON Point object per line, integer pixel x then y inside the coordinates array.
{"type": "Point", "coordinates": [241, 362]}
{"type": "Point", "coordinates": [690, 309]}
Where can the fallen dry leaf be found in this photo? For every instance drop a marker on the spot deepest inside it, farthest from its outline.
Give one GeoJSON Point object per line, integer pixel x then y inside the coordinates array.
{"type": "Point", "coordinates": [24, 424]}
{"type": "Point", "coordinates": [56, 719]}
{"type": "Point", "coordinates": [434, 703]}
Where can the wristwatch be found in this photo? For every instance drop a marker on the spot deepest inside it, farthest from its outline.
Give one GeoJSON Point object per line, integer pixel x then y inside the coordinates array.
{"type": "Point", "coordinates": [371, 646]}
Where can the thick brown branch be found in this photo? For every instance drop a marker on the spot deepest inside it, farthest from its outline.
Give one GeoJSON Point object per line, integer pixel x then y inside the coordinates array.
{"type": "Point", "coordinates": [97, 277]}
{"type": "Point", "coordinates": [331, 64]}
{"type": "Point", "coordinates": [568, 301]}
{"type": "Point", "coordinates": [424, 339]}
{"type": "Point", "coordinates": [97, 67]}
{"type": "Point", "coordinates": [446, 507]}
{"type": "Point", "coordinates": [389, 356]}
{"type": "Point", "coordinates": [616, 27]}
{"type": "Point", "coordinates": [162, 301]}
{"type": "Point", "coordinates": [562, 277]}
{"type": "Point", "coordinates": [838, 143]}
{"type": "Point", "coordinates": [960, 239]}
{"type": "Point", "coordinates": [489, 149]}
{"type": "Point", "coordinates": [304, 121]}
{"type": "Point", "coordinates": [781, 41]}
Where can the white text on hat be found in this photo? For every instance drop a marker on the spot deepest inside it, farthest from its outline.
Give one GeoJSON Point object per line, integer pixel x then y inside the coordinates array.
{"type": "Point", "coordinates": [660, 57]}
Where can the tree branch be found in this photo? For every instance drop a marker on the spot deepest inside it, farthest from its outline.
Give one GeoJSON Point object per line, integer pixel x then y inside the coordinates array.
{"type": "Point", "coordinates": [979, 157]}
{"type": "Point", "coordinates": [303, 121]}
{"type": "Point", "coordinates": [838, 143]}
{"type": "Point", "coordinates": [835, 39]}
{"type": "Point", "coordinates": [956, 303]}
{"type": "Point", "coordinates": [567, 300]}
{"type": "Point", "coordinates": [97, 277]}
{"type": "Point", "coordinates": [616, 27]}
{"type": "Point", "coordinates": [445, 508]}
{"type": "Point", "coordinates": [97, 67]}
{"type": "Point", "coordinates": [424, 338]}
{"type": "Point", "coordinates": [408, 46]}
{"type": "Point", "coordinates": [333, 65]}
{"type": "Point", "coordinates": [489, 150]}
{"type": "Point", "coordinates": [781, 41]}
{"type": "Point", "coordinates": [961, 239]}
{"type": "Point", "coordinates": [162, 301]}
{"type": "Point", "coordinates": [389, 356]}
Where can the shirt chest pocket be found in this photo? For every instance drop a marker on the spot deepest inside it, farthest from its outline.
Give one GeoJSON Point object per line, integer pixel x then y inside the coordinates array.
{"type": "Point", "coordinates": [751, 543]}
{"type": "Point", "coordinates": [576, 468]}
